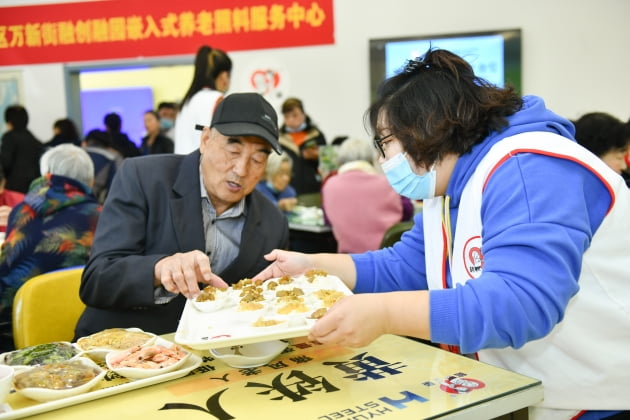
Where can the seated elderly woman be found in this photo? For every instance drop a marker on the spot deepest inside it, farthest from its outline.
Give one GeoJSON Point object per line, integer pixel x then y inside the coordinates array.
{"type": "Point", "coordinates": [358, 201]}
{"type": "Point", "coordinates": [51, 229]}
{"type": "Point", "coordinates": [275, 185]}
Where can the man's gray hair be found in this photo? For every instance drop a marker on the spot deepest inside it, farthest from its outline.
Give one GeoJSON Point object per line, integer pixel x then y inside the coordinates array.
{"type": "Point", "coordinates": [70, 161]}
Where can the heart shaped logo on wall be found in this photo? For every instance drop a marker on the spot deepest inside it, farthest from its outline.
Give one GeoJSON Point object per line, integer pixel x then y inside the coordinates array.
{"type": "Point", "coordinates": [265, 81]}
{"type": "Point", "coordinates": [265, 76]}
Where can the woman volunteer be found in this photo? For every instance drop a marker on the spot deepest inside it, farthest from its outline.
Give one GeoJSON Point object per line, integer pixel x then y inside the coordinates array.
{"type": "Point", "coordinates": [520, 252]}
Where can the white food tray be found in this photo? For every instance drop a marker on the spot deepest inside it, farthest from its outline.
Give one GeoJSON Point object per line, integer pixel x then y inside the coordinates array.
{"type": "Point", "coordinates": [229, 326]}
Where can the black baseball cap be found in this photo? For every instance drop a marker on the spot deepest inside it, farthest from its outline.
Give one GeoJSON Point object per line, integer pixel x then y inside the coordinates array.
{"type": "Point", "coordinates": [247, 114]}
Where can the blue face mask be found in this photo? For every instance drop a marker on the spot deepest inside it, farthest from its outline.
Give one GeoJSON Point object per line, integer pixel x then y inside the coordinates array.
{"type": "Point", "coordinates": [407, 183]}
{"type": "Point", "coordinates": [166, 124]}
{"type": "Point", "coordinates": [299, 128]}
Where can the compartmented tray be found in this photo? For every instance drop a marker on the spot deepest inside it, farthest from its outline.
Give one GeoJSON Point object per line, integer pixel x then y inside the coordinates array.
{"type": "Point", "coordinates": [21, 406]}
{"type": "Point", "coordinates": [228, 320]}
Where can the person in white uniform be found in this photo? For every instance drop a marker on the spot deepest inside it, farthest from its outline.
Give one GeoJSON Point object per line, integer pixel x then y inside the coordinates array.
{"type": "Point", "coordinates": [210, 82]}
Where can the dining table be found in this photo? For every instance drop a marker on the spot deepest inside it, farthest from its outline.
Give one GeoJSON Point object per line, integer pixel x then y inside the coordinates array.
{"type": "Point", "coordinates": [308, 231]}
{"type": "Point", "coordinates": [392, 378]}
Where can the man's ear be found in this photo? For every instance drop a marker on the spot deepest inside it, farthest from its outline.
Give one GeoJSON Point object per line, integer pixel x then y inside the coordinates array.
{"type": "Point", "coordinates": [206, 134]}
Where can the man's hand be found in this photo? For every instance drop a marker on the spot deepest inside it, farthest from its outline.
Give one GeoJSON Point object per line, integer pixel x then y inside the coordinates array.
{"type": "Point", "coordinates": [182, 273]}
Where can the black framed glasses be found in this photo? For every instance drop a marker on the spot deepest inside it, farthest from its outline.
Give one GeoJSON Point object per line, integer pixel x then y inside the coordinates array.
{"type": "Point", "coordinates": [378, 144]}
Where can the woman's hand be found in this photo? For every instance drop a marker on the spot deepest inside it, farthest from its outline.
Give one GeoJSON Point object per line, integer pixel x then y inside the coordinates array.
{"type": "Point", "coordinates": [354, 321]}
{"type": "Point", "coordinates": [284, 262]}
{"type": "Point", "coordinates": [357, 320]}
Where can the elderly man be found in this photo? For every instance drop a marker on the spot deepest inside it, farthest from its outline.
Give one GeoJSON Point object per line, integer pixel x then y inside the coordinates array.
{"type": "Point", "coordinates": [173, 222]}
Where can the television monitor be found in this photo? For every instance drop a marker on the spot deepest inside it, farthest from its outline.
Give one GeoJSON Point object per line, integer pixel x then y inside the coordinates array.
{"type": "Point", "coordinates": [129, 102]}
{"type": "Point", "coordinates": [494, 55]}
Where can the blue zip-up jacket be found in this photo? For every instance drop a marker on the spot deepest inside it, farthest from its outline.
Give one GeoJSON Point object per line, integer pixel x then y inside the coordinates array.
{"type": "Point", "coordinates": [539, 214]}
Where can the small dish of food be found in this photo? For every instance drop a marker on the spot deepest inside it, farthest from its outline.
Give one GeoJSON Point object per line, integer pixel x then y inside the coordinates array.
{"type": "Point", "coordinates": [40, 354]}
{"type": "Point", "coordinates": [58, 380]}
{"type": "Point", "coordinates": [212, 299]}
{"type": "Point", "coordinates": [250, 355]}
{"type": "Point", "coordinates": [99, 344]}
{"type": "Point", "coordinates": [266, 322]}
{"type": "Point", "coordinates": [146, 361]}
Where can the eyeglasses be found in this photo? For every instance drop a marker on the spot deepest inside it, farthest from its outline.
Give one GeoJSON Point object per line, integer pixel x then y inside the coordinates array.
{"type": "Point", "coordinates": [378, 143]}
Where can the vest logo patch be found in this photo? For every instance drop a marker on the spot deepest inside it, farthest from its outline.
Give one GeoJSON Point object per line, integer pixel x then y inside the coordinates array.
{"type": "Point", "coordinates": [473, 257]}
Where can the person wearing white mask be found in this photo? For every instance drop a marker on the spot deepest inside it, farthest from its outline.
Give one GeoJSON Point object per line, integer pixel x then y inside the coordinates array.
{"type": "Point", "coordinates": [301, 139]}
{"type": "Point", "coordinates": [519, 257]}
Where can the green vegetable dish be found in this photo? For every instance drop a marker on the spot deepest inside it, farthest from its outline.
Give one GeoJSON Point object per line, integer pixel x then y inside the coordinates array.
{"type": "Point", "coordinates": [41, 354]}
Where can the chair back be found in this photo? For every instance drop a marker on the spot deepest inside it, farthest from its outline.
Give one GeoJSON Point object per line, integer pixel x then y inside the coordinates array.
{"type": "Point", "coordinates": [394, 232]}
{"type": "Point", "coordinates": [47, 307]}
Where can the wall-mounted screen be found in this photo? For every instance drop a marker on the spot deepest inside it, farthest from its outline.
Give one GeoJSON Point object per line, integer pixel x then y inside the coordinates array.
{"type": "Point", "coordinates": [494, 55]}
{"type": "Point", "coordinates": [129, 102]}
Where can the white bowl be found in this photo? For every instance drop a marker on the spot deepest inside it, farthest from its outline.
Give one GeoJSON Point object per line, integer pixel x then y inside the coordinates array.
{"type": "Point", "coordinates": [99, 353]}
{"type": "Point", "coordinates": [250, 355]}
{"type": "Point", "coordinates": [6, 381]}
{"type": "Point", "coordinates": [140, 372]}
{"type": "Point", "coordinates": [48, 353]}
{"type": "Point", "coordinates": [222, 300]}
{"type": "Point", "coordinates": [48, 394]}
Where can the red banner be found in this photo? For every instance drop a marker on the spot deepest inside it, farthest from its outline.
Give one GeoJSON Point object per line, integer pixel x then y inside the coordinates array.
{"type": "Point", "coordinates": [115, 29]}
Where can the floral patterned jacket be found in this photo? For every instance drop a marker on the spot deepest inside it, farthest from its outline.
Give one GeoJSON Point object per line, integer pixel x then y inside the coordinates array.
{"type": "Point", "coordinates": [52, 228]}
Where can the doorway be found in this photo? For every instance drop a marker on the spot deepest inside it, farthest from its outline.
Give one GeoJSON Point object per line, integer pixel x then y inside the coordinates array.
{"type": "Point", "coordinates": [127, 88]}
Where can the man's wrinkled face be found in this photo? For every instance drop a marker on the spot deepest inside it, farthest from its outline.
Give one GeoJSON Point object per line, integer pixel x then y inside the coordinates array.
{"type": "Point", "coordinates": [231, 166]}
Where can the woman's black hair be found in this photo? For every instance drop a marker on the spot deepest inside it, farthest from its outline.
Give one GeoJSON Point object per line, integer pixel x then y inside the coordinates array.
{"type": "Point", "coordinates": [601, 133]}
{"type": "Point", "coordinates": [209, 64]}
{"type": "Point", "coordinates": [436, 105]}
{"type": "Point", "coordinates": [67, 129]}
